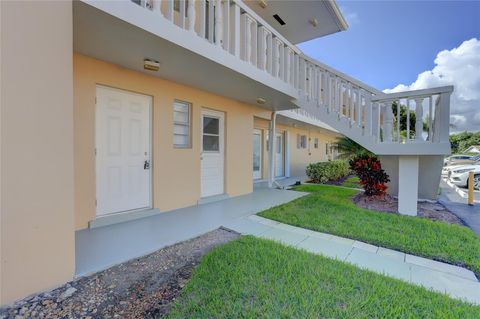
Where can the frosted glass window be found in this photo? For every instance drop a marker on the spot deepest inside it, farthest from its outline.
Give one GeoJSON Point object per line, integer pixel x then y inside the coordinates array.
{"type": "Point", "coordinates": [181, 124]}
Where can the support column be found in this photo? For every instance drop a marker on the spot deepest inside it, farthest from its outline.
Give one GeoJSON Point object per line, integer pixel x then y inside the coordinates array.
{"type": "Point", "coordinates": [271, 150]}
{"type": "Point", "coordinates": [407, 185]}
{"type": "Point", "coordinates": [36, 144]}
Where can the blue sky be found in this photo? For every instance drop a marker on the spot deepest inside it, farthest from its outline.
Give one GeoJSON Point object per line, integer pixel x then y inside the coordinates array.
{"type": "Point", "coordinates": [391, 42]}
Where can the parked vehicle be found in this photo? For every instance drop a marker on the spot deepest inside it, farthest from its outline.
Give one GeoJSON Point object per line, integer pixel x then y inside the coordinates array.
{"type": "Point", "coordinates": [473, 160]}
{"type": "Point", "coordinates": [459, 175]}
{"type": "Point", "coordinates": [455, 158]}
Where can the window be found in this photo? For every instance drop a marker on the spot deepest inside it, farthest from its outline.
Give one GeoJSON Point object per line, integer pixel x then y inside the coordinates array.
{"type": "Point", "coordinates": [301, 141]}
{"type": "Point", "coordinates": [326, 148]}
{"type": "Point", "coordinates": [181, 124]}
{"type": "Point", "coordinates": [315, 142]}
{"type": "Point", "coordinates": [211, 134]}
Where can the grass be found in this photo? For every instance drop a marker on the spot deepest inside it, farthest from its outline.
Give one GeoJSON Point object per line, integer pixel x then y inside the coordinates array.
{"type": "Point", "coordinates": [329, 209]}
{"type": "Point", "coordinates": [255, 278]}
{"type": "Point", "coordinates": [352, 182]}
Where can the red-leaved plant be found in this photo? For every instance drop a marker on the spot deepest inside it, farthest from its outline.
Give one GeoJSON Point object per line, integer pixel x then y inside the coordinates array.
{"type": "Point", "coordinates": [372, 176]}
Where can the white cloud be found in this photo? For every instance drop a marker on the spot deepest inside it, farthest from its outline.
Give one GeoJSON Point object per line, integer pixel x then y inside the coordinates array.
{"type": "Point", "coordinates": [459, 67]}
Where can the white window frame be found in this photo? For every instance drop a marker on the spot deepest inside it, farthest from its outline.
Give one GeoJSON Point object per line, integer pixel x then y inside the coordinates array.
{"type": "Point", "coordinates": [188, 124]}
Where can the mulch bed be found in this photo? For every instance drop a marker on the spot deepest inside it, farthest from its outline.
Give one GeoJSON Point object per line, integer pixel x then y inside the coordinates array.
{"type": "Point", "coordinates": [140, 288]}
{"type": "Point", "coordinates": [433, 211]}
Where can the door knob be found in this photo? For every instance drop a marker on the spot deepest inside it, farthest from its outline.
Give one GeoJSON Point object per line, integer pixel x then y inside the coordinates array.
{"type": "Point", "coordinates": [146, 165]}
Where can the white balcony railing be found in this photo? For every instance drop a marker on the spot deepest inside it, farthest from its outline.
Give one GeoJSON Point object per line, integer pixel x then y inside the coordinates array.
{"type": "Point", "coordinates": [324, 93]}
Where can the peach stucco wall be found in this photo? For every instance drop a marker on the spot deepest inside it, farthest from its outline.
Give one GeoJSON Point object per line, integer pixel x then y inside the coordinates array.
{"type": "Point", "coordinates": [299, 158]}
{"type": "Point", "coordinates": [37, 219]}
{"type": "Point", "coordinates": [176, 172]}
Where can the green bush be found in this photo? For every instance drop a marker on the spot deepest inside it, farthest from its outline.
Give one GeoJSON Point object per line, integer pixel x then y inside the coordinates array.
{"type": "Point", "coordinates": [328, 171]}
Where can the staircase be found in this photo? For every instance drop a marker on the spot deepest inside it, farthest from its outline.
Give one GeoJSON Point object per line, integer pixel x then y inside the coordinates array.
{"type": "Point", "coordinates": [411, 155]}
{"type": "Point", "coordinates": [366, 115]}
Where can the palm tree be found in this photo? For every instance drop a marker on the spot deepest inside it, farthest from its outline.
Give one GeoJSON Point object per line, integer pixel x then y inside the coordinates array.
{"type": "Point", "coordinates": [348, 148]}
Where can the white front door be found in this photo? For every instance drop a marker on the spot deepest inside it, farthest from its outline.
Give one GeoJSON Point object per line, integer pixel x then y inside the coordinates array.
{"type": "Point", "coordinates": [279, 151]}
{"type": "Point", "coordinates": [212, 157]}
{"type": "Point", "coordinates": [123, 156]}
{"type": "Point", "coordinates": [257, 154]}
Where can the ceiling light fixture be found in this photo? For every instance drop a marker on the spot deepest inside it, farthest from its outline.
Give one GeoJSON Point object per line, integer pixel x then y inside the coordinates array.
{"type": "Point", "coordinates": [151, 65]}
{"type": "Point", "coordinates": [261, 101]}
{"type": "Point", "coordinates": [262, 3]}
{"type": "Point", "coordinates": [314, 22]}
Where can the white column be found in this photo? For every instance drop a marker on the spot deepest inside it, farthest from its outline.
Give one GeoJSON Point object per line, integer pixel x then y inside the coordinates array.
{"type": "Point", "coordinates": [407, 185]}
{"type": "Point", "coordinates": [271, 150]}
{"type": "Point", "coordinates": [157, 4]}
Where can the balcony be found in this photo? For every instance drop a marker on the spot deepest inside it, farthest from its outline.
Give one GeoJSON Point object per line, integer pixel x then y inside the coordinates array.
{"type": "Point", "coordinates": [225, 47]}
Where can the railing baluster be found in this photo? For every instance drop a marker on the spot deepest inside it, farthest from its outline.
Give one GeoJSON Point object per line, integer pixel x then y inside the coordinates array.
{"type": "Point", "coordinates": [156, 7]}
{"type": "Point", "coordinates": [430, 119]}
{"type": "Point", "coordinates": [388, 122]}
{"type": "Point", "coordinates": [181, 14]}
{"type": "Point", "coordinates": [191, 15]}
{"type": "Point", "coordinates": [398, 122]}
{"type": "Point", "coordinates": [169, 14]}
{"type": "Point", "coordinates": [368, 116]}
{"type": "Point", "coordinates": [226, 25]}
{"type": "Point", "coordinates": [408, 121]}
{"type": "Point", "coordinates": [210, 22]}
{"type": "Point", "coordinates": [218, 22]}
{"type": "Point", "coordinates": [418, 119]}
{"type": "Point", "coordinates": [203, 19]}
{"type": "Point", "coordinates": [235, 43]}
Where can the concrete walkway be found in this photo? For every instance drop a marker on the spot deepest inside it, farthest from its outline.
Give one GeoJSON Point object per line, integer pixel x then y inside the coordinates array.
{"type": "Point", "coordinates": [99, 248]}
{"type": "Point", "coordinates": [470, 215]}
{"type": "Point", "coordinates": [457, 282]}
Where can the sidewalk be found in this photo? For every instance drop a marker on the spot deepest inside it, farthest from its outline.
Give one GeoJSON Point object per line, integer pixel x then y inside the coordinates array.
{"type": "Point", "coordinates": [457, 282]}
{"type": "Point", "coordinates": [470, 215]}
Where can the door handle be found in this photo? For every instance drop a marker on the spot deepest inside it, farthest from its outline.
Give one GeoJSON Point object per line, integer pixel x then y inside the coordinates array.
{"type": "Point", "coordinates": [146, 165]}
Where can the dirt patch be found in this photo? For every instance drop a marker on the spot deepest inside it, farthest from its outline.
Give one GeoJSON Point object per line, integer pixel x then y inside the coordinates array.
{"type": "Point", "coordinates": [433, 211]}
{"type": "Point", "coordinates": [140, 288]}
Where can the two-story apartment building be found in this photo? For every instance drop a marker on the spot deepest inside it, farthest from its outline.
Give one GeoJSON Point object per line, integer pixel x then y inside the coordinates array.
{"type": "Point", "coordinates": [115, 108]}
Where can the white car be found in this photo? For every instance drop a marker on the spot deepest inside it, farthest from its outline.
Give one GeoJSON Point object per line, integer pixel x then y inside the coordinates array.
{"type": "Point", "coordinates": [459, 175]}
{"type": "Point", "coordinates": [475, 160]}
{"type": "Point", "coordinates": [454, 158]}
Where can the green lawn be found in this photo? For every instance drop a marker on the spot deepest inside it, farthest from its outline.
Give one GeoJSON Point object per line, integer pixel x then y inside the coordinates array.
{"type": "Point", "coordinates": [352, 182]}
{"type": "Point", "coordinates": [255, 278]}
{"type": "Point", "coordinates": [329, 209]}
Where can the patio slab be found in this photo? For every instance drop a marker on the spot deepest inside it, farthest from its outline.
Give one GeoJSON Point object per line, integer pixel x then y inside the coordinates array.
{"type": "Point", "coordinates": [102, 247]}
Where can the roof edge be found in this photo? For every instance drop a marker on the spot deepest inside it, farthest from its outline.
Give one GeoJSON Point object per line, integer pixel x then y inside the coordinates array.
{"type": "Point", "coordinates": [340, 20]}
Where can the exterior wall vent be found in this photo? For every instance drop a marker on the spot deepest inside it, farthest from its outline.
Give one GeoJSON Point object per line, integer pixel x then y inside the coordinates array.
{"type": "Point", "coordinates": [279, 20]}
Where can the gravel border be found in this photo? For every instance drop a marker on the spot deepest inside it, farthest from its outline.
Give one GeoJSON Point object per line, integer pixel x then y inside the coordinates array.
{"type": "Point", "coordinates": [140, 288]}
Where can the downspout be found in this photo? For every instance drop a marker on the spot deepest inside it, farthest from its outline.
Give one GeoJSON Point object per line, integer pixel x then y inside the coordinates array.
{"type": "Point", "coordinates": [271, 152]}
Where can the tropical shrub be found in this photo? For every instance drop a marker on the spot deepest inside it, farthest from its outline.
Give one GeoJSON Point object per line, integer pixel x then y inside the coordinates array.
{"type": "Point", "coordinates": [327, 171]}
{"type": "Point", "coordinates": [372, 177]}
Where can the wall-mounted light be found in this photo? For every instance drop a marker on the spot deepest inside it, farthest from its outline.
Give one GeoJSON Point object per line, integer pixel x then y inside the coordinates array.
{"type": "Point", "coordinates": [151, 65]}
{"type": "Point", "coordinates": [261, 101]}
{"type": "Point", "coordinates": [314, 22]}
{"type": "Point", "coordinates": [262, 3]}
